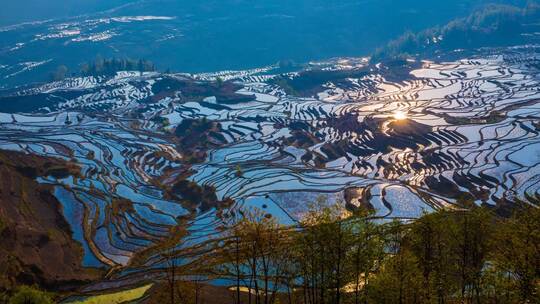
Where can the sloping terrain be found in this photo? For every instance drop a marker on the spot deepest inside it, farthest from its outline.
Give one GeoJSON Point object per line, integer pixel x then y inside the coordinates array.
{"type": "Point", "coordinates": [36, 242]}
{"type": "Point", "coordinates": [167, 159]}
{"type": "Point", "coordinates": [491, 26]}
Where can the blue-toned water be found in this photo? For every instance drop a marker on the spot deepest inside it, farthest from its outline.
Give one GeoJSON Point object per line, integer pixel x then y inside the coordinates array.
{"type": "Point", "coordinates": [207, 35]}
{"type": "Point", "coordinates": [73, 213]}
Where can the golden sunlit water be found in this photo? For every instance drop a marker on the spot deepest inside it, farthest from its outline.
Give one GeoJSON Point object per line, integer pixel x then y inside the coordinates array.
{"type": "Point", "coordinates": [400, 115]}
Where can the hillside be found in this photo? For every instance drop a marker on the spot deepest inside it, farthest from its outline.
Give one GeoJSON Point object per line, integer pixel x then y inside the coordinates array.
{"type": "Point", "coordinates": [492, 26]}
{"type": "Point", "coordinates": [36, 243]}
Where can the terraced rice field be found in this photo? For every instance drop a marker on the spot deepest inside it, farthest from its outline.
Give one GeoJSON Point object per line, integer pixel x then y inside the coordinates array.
{"type": "Point", "coordinates": [400, 145]}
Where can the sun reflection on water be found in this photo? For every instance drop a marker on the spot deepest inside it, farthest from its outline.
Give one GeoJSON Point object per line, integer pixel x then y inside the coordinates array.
{"type": "Point", "coordinates": [400, 115]}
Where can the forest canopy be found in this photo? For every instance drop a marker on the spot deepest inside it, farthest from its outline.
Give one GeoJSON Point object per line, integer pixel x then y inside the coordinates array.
{"type": "Point", "coordinates": [492, 26]}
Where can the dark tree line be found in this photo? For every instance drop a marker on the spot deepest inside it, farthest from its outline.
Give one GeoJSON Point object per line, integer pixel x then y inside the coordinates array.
{"type": "Point", "coordinates": [335, 256]}
{"type": "Point", "coordinates": [492, 26]}
{"type": "Point", "coordinates": [103, 67]}
{"type": "Point", "coordinates": [110, 66]}
{"type": "Point", "coordinates": [340, 257]}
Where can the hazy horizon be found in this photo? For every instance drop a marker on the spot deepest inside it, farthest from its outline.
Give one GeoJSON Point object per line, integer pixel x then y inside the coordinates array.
{"type": "Point", "coordinates": [210, 35]}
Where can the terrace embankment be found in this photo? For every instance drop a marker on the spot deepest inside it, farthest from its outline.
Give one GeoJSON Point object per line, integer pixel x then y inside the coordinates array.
{"type": "Point", "coordinates": [36, 246]}
{"type": "Point", "coordinates": [196, 136]}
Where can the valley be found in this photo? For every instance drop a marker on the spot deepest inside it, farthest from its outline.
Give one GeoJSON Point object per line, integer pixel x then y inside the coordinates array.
{"type": "Point", "coordinates": [168, 157]}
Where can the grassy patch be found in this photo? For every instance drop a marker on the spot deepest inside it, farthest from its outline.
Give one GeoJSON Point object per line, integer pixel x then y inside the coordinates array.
{"type": "Point", "coordinates": [116, 297]}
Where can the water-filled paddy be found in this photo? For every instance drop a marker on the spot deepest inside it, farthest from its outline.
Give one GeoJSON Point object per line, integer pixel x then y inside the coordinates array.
{"type": "Point", "coordinates": [401, 148]}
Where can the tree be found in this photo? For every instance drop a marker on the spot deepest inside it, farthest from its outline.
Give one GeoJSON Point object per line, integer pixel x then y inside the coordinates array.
{"type": "Point", "coordinates": [140, 66]}
{"type": "Point", "coordinates": [516, 251]}
{"type": "Point", "coordinates": [323, 245]}
{"type": "Point", "coordinates": [238, 171]}
{"type": "Point", "coordinates": [232, 251]}
{"type": "Point", "coordinates": [335, 256]}
{"type": "Point", "coordinates": [431, 245]}
{"type": "Point", "coordinates": [491, 26]}
{"type": "Point", "coordinates": [171, 275]}
{"type": "Point", "coordinates": [177, 288]}
{"type": "Point", "coordinates": [98, 65]}
{"type": "Point", "coordinates": [255, 251]}
{"type": "Point", "coordinates": [263, 237]}
{"type": "Point", "coordinates": [471, 234]}
{"type": "Point", "coordinates": [109, 67]}
{"type": "Point", "coordinates": [367, 251]}
{"type": "Point", "coordinates": [219, 82]}
{"type": "Point", "coordinates": [398, 279]}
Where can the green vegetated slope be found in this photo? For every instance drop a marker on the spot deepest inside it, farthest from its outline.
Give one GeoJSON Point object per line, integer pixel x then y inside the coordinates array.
{"type": "Point", "coordinates": [492, 26]}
